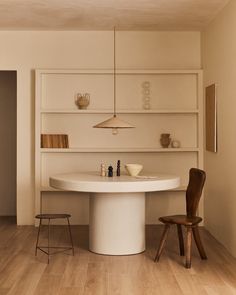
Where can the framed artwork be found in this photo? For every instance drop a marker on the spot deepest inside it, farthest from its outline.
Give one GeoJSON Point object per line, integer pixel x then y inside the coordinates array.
{"type": "Point", "coordinates": [211, 119]}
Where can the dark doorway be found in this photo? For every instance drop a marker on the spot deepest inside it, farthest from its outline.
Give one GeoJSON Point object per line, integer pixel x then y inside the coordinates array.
{"type": "Point", "coordinates": [8, 92]}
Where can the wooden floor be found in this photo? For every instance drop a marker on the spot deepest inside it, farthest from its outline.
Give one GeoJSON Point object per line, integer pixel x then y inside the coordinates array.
{"type": "Point", "coordinates": [87, 273]}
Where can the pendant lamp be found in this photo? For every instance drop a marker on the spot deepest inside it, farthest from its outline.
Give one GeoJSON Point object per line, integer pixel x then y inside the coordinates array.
{"type": "Point", "coordinates": [114, 122]}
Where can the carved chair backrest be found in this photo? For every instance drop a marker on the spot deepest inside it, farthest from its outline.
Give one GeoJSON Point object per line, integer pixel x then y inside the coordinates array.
{"type": "Point", "coordinates": [197, 179]}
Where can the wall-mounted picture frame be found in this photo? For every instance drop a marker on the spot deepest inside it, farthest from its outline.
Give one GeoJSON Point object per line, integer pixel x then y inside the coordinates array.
{"type": "Point", "coordinates": [211, 118]}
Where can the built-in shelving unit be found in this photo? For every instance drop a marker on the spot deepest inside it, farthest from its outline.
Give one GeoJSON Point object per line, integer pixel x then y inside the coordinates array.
{"type": "Point", "coordinates": [176, 107]}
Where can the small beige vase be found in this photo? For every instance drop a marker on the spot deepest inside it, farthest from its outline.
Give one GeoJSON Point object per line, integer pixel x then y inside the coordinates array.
{"type": "Point", "coordinates": [82, 100]}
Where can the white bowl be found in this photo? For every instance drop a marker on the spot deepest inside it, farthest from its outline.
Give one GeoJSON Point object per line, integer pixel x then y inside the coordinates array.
{"type": "Point", "coordinates": [133, 169]}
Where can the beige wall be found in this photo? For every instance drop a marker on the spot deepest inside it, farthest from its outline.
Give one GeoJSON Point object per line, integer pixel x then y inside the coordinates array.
{"type": "Point", "coordinates": [219, 63]}
{"type": "Point", "coordinates": [8, 143]}
{"type": "Point", "coordinates": [25, 51]}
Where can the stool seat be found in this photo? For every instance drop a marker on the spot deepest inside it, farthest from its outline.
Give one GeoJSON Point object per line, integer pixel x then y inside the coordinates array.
{"type": "Point", "coordinates": [52, 216]}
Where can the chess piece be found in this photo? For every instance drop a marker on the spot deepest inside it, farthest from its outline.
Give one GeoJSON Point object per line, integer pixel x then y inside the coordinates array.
{"type": "Point", "coordinates": [110, 171]}
{"type": "Point", "coordinates": [118, 168]}
{"type": "Point", "coordinates": [103, 170]}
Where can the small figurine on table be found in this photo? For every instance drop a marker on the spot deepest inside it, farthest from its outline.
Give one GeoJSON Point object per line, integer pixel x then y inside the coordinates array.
{"type": "Point", "coordinates": [118, 168]}
{"type": "Point", "coordinates": [103, 170]}
{"type": "Point", "coordinates": [110, 171]}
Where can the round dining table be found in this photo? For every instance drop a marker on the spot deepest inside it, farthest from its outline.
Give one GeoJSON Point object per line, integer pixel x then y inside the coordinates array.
{"type": "Point", "coordinates": [116, 208]}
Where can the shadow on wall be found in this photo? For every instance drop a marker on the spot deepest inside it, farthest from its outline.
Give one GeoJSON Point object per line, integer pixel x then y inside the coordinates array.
{"type": "Point", "coordinates": [8, 88]}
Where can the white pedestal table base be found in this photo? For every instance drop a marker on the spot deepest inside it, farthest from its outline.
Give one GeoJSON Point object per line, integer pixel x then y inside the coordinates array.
{"type": "Point", "coordinates": [117, 223]}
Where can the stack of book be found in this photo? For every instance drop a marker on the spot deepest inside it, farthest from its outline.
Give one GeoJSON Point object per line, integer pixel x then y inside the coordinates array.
{"type": "Point", "coordinates": [54, 141]}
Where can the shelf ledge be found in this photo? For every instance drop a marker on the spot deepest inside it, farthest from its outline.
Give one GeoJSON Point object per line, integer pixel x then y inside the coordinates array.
{"type": "Point", "coordinates": [117, 150]}
{"type": "Point", "coordinates": [104, 111]}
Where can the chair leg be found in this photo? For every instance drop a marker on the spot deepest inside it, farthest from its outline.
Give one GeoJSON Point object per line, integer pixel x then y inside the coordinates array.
{"type": "Point", "coordinates": [188, 247]}
{"type": "Point", "coordinates": [70, 236]}
{"type": "Point", "coordinates": [181, 240]}
{"type": "Point", "coordinates": [199, 243]}
{"type": "Point", "coordinates": [36, 247]}
{"type": "Point", "coordinates": [162, 242]}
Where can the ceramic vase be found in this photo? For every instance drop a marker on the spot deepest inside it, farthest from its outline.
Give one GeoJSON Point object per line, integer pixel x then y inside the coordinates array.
{"type": "Point", "coordinates": [82, 100]}
{"type": "Point", "coordinates": [165, 140]}
{"type": "Point", "coordinates": [175, 144]}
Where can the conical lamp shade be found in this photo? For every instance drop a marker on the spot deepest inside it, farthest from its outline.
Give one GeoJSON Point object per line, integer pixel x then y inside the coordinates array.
{"type": "Point", "coordinates": [113, 122]}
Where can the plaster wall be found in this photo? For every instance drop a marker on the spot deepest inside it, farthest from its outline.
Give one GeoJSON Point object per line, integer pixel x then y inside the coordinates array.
{"type": "Point", "coordinates": [25, 51]}
{"type": "Point", "coordinates": [219, 63]}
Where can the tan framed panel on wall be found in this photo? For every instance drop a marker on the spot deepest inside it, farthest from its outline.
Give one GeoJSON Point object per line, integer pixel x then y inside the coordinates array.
{"type": "Point", "coordinates": [211, 120]}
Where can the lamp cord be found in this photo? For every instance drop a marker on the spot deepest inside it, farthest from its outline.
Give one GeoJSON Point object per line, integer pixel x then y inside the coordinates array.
{"type": "Point", "coordinates": [114, 73]}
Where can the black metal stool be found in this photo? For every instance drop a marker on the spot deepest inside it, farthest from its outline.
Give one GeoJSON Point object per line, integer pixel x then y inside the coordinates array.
{"type": "Point", "coordinates": [48, 247]}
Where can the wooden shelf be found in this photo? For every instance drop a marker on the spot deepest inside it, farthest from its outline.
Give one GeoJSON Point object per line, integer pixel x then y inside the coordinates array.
{"type": "Point", "coordinates": [89, 111]}
{"type": "Point", "coordinates": [118, 150]}
{"type": "Point", "coordinates": [49, 189]}
{"type": "Point", "coordinates": [107, 71]}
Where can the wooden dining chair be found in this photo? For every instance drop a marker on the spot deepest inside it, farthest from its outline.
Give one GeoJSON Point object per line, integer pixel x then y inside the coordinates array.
{"type": "Point", "coordinates": [190, 220]}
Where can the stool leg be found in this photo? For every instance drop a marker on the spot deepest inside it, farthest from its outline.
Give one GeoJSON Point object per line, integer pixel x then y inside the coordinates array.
{"type": "Point", "coordinates": [70, 236]}
{"type": "Point", "coordinates": [36, 247]}
{"type": "Point", "coordinates": [48, 239]}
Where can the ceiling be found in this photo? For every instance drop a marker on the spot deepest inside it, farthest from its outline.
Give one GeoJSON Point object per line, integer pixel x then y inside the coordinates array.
{"type": "Point", "coordinates": [105, 14]}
